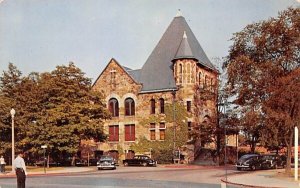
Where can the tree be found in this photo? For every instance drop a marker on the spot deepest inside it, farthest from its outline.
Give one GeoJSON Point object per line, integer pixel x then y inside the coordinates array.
{"type": "Point", "coordinates": [58, 109]}
{"type": "Point", "coordinates": [260, 61]}
{"type": "Point", "coordinates": [71, 111]}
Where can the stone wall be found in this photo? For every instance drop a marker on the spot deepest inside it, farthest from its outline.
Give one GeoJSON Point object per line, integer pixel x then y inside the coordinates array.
{"type": "Point", "coordinates": [115, 82]}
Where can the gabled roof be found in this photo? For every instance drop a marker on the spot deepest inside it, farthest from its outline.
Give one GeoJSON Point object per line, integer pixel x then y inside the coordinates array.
{"type": "Point", "coordinates": [125, 69]}
{"type": "Point", "coordinates": [156, 73]}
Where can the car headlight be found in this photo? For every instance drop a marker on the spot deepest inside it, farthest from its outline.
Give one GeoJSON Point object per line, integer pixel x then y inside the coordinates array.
{"type": "Point", "coordinates": [246, 162]}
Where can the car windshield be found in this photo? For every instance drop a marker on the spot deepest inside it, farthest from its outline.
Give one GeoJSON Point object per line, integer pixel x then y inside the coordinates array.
{"type": "Point", "coordinates": [106, 158]}
{"type": "Point", "coordinates": [246, 157]}
{"type": "Point", "coordinates": [269, 157]}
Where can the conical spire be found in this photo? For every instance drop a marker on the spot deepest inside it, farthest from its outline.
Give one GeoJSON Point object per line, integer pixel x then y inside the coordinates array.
{"type": "Point", "coordinates": [184, 50]}
{"type": "Point", "coordinates": [157, 73]}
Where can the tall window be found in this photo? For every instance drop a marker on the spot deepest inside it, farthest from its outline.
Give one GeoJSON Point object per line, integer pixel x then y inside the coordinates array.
{"type": "Point", "coordinates": [152, 131]}
{"type": "Point", "coordinates": [162, 131]}
{"type": "Point", "coordinates": [188, 73]}
{"type": "Point", "coordinates": [129, 107]}
{"type": "Point", "coordinates": [180, 73]}
{"type": "Point", "coordinates": [162, 105]}
{"type": "Point", "coordinates": [114, 107]}
{"type": "Point", "coordinates": [114, 133]}
{"type": "Point", "coordinates": [200, 79]}
{"type": "Point", "coordinates": [205, 81]}
{"type": "Point", "coordinates": [113, 77]}
{"type": "Point", "coordinates": [130, 132]}
{"type": "Point", "coordinates": [189, 106]}
{"type": "Point", "coordinates": [152, 103]}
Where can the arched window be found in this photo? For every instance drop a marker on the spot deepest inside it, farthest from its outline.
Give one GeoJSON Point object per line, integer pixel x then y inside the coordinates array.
{"type": "Point", "coordinates": [129, 107]}
{"type": "Point", "coordinates": [180, 73]}
{"type": "Point", "coordinates": [162, 105]}
{"type": "Point", "coordinates": [200, 79]}
{"type": "Point", "coordinates": [113, 107]}
{"type": "Point", "coordinates": [152, 103]}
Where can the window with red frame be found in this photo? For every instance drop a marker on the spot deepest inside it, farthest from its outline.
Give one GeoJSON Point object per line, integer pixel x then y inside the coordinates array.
{"type": "Point", "coordinates": [114, 133]}
{"type": "Point", "coordinates": [152, 131]}
{"type": "Point", "coordinates": [114, 107]}
{"type": "Point", "coordinates": [162, 131]}
{"type": "Point", "coordinates": [130, 132]}
{"type": "Point", "coordinates": [129, 107]}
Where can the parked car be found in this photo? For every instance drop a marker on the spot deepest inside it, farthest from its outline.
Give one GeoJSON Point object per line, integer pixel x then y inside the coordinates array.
{"type": "Point", "coordinates": [249, 161]}
{"type": "Point", "coordinates": [41, 162]}
{"type": "Point", "coordinates": [274, 161]}
{"type": "Point", "coordinates": [93, 162]}
{"type": "Point", "coordinates": [140, 160]}
{"type": "Point", "coordinates": [80, 162]}
{"type": "Point", "coordinates": [106, 162]}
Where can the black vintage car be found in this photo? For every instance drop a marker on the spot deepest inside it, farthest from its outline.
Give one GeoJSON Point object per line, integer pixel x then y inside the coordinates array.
{"type": "Point", "coordinates": [274, 161]}
{"type": "Point", "coordinates": [140, 160]}
{"type": "Point", "coordinates": [249, 161]}
{"type": "Point", "coordinates": [106, 162]}
{"type": "Point", "coordinates": [255, 161]}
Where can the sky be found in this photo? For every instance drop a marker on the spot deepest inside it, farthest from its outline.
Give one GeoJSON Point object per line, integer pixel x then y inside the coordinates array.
{"type": "Point", "coordinates": [38, 35]}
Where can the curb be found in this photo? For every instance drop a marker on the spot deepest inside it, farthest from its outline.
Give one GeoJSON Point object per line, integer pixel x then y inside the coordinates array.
{"type": "Point", "coordinates": [245, 185]}
{"type": "Point", "coordinates": [47, 174]}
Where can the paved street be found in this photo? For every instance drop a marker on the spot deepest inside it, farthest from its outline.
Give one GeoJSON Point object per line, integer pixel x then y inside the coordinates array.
{"type": "Point", "coordinates": [129, 177]}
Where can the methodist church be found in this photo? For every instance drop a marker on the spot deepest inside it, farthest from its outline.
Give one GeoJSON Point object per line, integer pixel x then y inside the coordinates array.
{"type": "Point", "coordinates": [176, 65]}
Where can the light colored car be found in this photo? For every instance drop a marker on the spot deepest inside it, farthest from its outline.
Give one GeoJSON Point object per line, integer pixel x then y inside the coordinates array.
{"type": "Point", "coordinates": [106, 162]}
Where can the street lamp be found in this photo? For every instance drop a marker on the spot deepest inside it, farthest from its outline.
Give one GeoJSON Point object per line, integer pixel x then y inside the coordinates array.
{"type": "Point", "coordinates": [12, 113]}
{"type": "Point", "coordinates": [44, 147]}
{"type": "Point", "coordinates": [174, 127]}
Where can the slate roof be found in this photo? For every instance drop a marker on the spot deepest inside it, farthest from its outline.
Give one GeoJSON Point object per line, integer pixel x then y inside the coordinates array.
{"type": "Point", "coordinates": [184, 50]}
{"type": "Point", "coordinates": [157, 73]}
{"type": "Point", "coordinates": [134, 74]}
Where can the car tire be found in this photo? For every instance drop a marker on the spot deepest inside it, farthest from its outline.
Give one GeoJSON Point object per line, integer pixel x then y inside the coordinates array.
{"type": "Point", "coordinates": [144, 164]}
{"type": "Point", "coordinates": [125, 164]}
{"type": "Point", "coordinates": [239, 168]}
{"type": "Point", "coordinates": [252, 167]}
{"type": "Point", "coordinates": [99, 168]}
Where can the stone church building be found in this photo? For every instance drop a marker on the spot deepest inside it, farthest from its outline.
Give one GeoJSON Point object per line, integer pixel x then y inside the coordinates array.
{"type": "Point", "coordinates": [170, 73]}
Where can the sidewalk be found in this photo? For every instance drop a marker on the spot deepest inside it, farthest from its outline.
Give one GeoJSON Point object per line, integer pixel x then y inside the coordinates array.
{"type": "Point", "coordinates": [263, 178]}
{"type": "Point", "coordinates": [40, 172]}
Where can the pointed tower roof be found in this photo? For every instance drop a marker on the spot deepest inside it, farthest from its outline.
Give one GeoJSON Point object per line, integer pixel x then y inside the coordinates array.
{"type": "Point", "coordinates": [184, 50]}
{"type": "Point", "coordinates": [157, 73]}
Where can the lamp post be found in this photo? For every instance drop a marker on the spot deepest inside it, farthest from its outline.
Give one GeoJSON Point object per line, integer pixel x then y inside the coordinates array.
{"type": "Point", "coordinates": [44, 147]}
{"type": "Point", "coordinates": [12, 113]}
{"type": "Point", "coordinates": [174, 127]}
